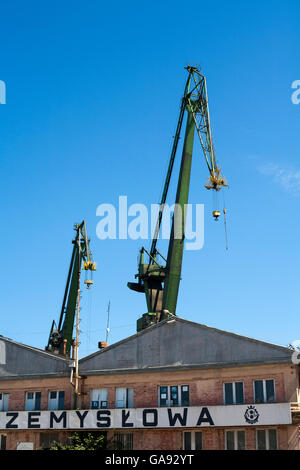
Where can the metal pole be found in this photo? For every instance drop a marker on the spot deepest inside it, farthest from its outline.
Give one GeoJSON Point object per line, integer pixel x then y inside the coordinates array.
{"type": "Point", "coordinates": [77, 324]}
{"type": "Point", "coordinates": [107, 328]}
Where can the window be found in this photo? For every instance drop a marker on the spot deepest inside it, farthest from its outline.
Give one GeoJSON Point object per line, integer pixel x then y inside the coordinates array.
{"type": "Point", "coordinates": [33, 401]}
{"type": "Point", "coordinates": [2, 441]}
{"type": "Point", "coordinates": [4, 397]}
{"type": "Point", "coordinates": [235, 440]}
{"type": "Point", "coordinates": [233, 393]}
{"type": "Point", "coordinates": [192, 440]}
{"type": "Point", "coordinates": [124, 398]}
{"type": "Point", "coordinates": [174, 395]}
{"type": "Point", "coordinates": [98, 398]}
{"type": "Point", "coordinates": [266, 439]}
{"type": "Point", "coordinates": [185, 395]}
{"type": "Point", "coordinates": [56, 400]}
{"type": "Point", "coordinates": [47, 439]}
{"type": "Point", "coordinates": [123, 441]}
{"type": "Point", "coordinates": [264, 391]}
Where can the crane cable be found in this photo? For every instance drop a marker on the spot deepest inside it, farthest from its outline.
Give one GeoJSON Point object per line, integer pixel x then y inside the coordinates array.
{"type": "Point", "coordinates": [225, 225]}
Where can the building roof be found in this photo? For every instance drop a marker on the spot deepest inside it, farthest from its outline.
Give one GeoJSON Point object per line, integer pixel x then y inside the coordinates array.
{"type": "Point", "coordinates": [18, 360]}
{"type": "Point", "coordinates": [172, 344]}
{"type": "Point", "coordinates": [177, 343]}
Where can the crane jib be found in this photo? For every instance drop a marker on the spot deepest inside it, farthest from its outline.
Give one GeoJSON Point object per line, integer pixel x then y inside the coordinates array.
{"type": "Point", "coordinates": [160, 282]}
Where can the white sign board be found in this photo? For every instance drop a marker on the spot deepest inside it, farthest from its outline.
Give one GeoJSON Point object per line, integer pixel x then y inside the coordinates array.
{"type": "Point", "coordinates": [189, 417]}
{"type": "Point", "coordinates": [25, 446]}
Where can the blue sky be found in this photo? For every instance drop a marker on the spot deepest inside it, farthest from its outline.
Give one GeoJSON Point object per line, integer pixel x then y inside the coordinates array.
{"type": "Point", "coordinates": [93, 95]}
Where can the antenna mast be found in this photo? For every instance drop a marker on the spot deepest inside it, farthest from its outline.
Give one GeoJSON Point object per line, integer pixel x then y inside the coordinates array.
{"type": "Point", "coordinates": [107, 327]}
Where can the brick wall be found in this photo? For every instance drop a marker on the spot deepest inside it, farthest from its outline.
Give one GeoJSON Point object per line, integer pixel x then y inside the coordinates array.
{"type": "Point", "coordinates": [17, 391]}
{"type": "Point", "coordinates": [213, 439]}
{"type": "Point", "coordinates": [206, 388]}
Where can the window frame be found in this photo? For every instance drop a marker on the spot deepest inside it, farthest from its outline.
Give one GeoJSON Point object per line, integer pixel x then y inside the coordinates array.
{"type": "Point", "coordinates": [233, 393]}
{"type": "Point", "coordinates": [264, 381]}
{"type": "Point", "coordinates": [193, 439]}
{"type": "Point", "coordinates": [46, 439]}
{"type": "Point", "coordinates": [122, 437]}
{"type": "Point", "coordinates": [57, 399]}
{"type": "Point", "coordinates": [235, 438]}
{"type": "Point", "coordinates": [129, 400]}
{"type": "Point", "coordinates": [266, 430]}
{"type": "Point", "coordinates": [102, 404]}
{"type": "Point", "coordinates": [168, 399]}
{"type": "Point", "coordinates": [35, 401]}
{"type": "Point", "coordinates": [4, 401]}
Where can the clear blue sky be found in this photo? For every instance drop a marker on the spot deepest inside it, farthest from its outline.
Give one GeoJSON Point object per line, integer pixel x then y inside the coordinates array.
{"type": "Point", "coordinates": [93, 94]}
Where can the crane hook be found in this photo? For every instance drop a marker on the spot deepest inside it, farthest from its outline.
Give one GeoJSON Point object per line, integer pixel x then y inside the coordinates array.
{"type": "Point", "coordinates": [216, 214]}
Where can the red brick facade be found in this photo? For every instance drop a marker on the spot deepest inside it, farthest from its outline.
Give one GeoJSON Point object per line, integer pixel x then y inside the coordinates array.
{"type": "Point", "coordinates": [205, 389]}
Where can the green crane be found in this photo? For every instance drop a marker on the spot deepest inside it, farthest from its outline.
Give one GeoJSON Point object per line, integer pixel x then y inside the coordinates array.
{"type": "Point", "coordinates": [61, 336]}
{"type": "Point", "coordinates": [160, 280]}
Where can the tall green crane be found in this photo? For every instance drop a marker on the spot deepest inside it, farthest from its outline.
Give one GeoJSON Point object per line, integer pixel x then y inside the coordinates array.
{"type": "Point", "coordinates": [61, 335]}
{"type": "Point", "coordinates": [160, 280]}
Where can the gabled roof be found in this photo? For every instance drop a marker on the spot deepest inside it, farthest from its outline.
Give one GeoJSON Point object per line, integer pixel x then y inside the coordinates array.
{"type": "Point", "coordinates": [21, 361]}
{"type": "Point", "coordinates": [179, 343]}
{"type": "Point", "coordinates": [172, 344]}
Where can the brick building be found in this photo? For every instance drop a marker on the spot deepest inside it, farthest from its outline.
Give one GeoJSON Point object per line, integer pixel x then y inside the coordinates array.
{"type": "Point", "coordinates": [176, 385]}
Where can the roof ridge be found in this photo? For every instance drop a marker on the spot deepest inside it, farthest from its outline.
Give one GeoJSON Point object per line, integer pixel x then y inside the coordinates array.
{"type": "Point", "coordinates": [230, 333]}
{"type": "Point", "coordinates": [182, 320]}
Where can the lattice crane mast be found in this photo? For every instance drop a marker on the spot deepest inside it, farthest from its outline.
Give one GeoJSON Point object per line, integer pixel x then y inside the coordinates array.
{"type": "Point", "coordinates": [61, 335]}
